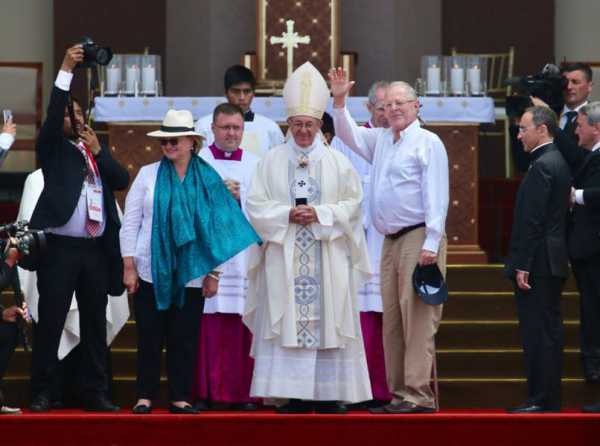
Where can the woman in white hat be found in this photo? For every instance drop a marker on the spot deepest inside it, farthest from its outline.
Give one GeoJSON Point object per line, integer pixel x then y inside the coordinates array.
{"type": "Point", "coordinates": [180, 224]}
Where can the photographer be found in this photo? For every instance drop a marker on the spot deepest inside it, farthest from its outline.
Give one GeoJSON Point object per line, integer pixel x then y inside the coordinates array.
{"type": "Point", "coordinates": [77, 210]}
{"type": "Point", "coordinates": [8, 326]}
{"type": "Point", "coordinates": [577, 91]}
{"type": "Point", "coordinates": [576, 88]}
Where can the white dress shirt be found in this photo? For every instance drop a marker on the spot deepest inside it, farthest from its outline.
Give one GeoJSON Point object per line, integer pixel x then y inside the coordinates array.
{"type": "Point", "coordinates": [579, 192]}
{"type": "Point", "coordinates": [410, 176]}
{"type": "Point", "coordinates": [136, 229]}
{"type": "Point", "coordinates": [563, 115]}
{"type": "Point", "coordinates": [75, 226]}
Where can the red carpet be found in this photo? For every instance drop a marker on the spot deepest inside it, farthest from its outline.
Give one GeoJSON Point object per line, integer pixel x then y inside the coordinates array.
{"type": "Point", "coordinates": [448, 428]}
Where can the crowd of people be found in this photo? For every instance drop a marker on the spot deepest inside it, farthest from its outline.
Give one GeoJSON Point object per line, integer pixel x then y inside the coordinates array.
{"type": "Point", "coordinates": [278, 269]}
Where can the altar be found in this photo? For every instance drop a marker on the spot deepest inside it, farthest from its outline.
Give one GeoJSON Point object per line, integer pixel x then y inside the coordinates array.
{"type": "Point", "coordinates": [455, 119]}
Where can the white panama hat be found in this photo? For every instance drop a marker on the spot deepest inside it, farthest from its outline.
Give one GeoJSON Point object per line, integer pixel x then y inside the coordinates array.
{"type": "Point", "coordinates": [176, 123]}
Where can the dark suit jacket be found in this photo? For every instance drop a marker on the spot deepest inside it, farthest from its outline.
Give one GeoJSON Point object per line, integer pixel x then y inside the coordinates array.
{"type": "Point", "coordinates": [538, 240]}
{"type": "Point", "coordinates": [64, 172]}
{"type": "Point", "coordinates": [584, 220]}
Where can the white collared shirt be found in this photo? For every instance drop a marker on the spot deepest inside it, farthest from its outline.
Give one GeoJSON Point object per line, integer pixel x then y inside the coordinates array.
{"type": "Point", "coordinates": [562, 122]}
{"type": "Point", "coordinates": [579, 192]}
{"type": "Point", "coordinates": [410, 176]}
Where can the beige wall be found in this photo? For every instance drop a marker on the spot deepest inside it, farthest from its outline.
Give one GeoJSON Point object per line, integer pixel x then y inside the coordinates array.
{"type": "Point", "coordinates": [204, 38]}
{"type": "Point", "coordinates": [27, 35]}
{"type": "Point", "coordinates": [577, 34]}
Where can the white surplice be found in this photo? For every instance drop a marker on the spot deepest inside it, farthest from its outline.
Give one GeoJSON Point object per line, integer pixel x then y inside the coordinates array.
{"type": "Point", "coordinates": [260, 134]}
{"type": "Point", "coordinates": [369, 295]}
{"type": "Point", "coordinates": [302, 303]}
{"type": "Point", "coordinates": [117, 308]}
{"type": "Point", "coordinates": [233, 284]}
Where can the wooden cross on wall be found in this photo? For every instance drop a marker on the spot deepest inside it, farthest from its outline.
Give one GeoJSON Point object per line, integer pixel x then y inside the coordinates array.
{"type": "Point", "coordinates": [315, 25]}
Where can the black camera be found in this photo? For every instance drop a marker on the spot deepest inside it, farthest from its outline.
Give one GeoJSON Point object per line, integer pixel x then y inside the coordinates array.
{"type": "Point", "coordinates": [26, 241]}
{"type": "Point", "coordinates": [94, 54]}
{"type": "Point", "coordinates": [548, 85]}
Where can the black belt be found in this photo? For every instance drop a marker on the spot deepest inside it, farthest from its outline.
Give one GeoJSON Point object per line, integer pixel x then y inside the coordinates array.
{"type": "Point", "coordinates": [403, 231]}
{"type": "Point", "coordinates": [74, 242]}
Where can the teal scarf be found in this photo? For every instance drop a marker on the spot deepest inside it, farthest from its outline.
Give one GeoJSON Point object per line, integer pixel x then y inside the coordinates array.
{"type": "Point", "coordinates": [197, 226]}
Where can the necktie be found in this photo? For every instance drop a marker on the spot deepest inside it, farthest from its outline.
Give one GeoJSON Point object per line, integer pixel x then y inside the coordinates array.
{"type": "Point", "coordinates": [249, 116]}
{"type": "Point", "coordinates": [92, 227]}
{"type": "Point", "coordinates": [571, 123]}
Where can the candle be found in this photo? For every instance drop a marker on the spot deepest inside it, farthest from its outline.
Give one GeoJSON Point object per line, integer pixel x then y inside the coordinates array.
{"type": "Point", "coordinates": [113, 78]}
{"type": "Point", "coordinates": [433, 79]}
{"type": "Point", "coordinates": [474, 76]}
{"type": "Point", "coordinates": [457, 80]}
{"type": "Point", "coordinates": [132, 78]}
{"type": "Point", "coordinates": [148, 79]}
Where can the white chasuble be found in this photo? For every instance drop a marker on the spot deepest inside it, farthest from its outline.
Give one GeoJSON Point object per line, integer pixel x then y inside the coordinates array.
{"type": "Point", "coordinates": [302, 299]}
{"type": "Point", "coordinates": [233, 283]}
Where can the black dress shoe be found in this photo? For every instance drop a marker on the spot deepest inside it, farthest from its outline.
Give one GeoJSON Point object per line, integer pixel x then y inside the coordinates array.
{"type": "Point", "coordinates": [330, 407]}
{"type": "Point", "coordinates": [200, 405]}
{"type": "Point", "coordinates": [142, 409]}
{"type": "Point", "coordinates": [591, 408]}
{"type": "Point", "coordinates": [100, 403]}
{"type": "Point", "coordinates": [185, 410]}
{"type": "Point", "coordinates": [41, 403]}
{"type": "Point", "coordinates": [592, 376]}
{"type": "Point", "coordinates": [244, 407]}
{"type": "Point", "coordinates": [406, 407]}
{"type": "Point", "coordinates": [296, 406]}
{"type": "Point", "coordinates": [532, 408]}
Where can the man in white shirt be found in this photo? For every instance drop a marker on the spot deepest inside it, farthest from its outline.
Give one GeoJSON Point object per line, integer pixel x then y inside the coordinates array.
{"type": "Point", "coordinates": [409, 202]}
{"type": "Point", "coordinates": [260, 132]}
{"type": "Point", "coordinates": [224, 374]}
{"type": "Point", "coordinates": [7, 138]}
{"type": "Point", "coordinates": [369, 296]}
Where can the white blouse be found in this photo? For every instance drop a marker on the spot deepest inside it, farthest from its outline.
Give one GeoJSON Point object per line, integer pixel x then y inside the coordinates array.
{"type": "Point", "coordinates": [136, 229]}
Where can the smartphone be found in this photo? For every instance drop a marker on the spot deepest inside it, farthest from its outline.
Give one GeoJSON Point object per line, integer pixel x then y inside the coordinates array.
{"type": "Point", "coordinates": [300, 201]}
{"type": "Point", "coordinates": [7, 115]}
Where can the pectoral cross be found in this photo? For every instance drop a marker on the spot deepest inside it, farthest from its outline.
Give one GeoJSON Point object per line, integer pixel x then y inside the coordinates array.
{"type": "Point", "coordinates": [290, 40]}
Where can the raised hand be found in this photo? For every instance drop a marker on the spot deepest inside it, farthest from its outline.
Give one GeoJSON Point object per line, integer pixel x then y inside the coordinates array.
{"type": "Point", "coordinates": [340, 86]}
{"type": "Point", "coordinates": [73, 56]}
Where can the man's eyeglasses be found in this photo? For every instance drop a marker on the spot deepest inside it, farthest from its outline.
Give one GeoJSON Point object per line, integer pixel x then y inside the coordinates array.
{"type": "Point", "coordinates": [172, 141]}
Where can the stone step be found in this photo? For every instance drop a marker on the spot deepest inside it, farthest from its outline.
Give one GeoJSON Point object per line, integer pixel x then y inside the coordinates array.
{"type": "Point", "coordinates": [484, 334]}
{"type": "Point", "coordinates": [497, 305]}
{"type": "Point", "coordinates": [488, 277]}
{"type": "Point", "coordinates": [484, 363]}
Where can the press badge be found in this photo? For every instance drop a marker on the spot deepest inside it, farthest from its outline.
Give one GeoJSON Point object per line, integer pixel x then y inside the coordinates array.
{"type": "Point", "coordinates": [94, 202]}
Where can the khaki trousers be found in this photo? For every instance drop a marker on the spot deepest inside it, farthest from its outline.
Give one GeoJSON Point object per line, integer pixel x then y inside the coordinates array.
{"type": "Point", "coordinates": [409, 324]}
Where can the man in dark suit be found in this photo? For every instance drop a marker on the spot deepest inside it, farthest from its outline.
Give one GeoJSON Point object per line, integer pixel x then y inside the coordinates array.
{"type": "Point", "coordinates": [578, 87]}
{"type": "Point", "coordinates": [77, 210]}
{"type": "Point", "coordinates": [584, 232]}
{"type": "Point", "coordinates": [538, 259]}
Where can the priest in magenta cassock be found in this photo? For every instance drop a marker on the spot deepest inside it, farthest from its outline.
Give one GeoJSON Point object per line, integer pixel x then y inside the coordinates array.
{"type": "Point", "coordinates": [224, 366]}
{"type": "Point", "coordinates": [260, 132]}
{"type": "Point", "coordinates": [302, 308]}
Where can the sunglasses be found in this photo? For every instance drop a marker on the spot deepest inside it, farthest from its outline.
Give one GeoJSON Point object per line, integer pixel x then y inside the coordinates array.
{"type": "Point", "coordinates": [172, 141]}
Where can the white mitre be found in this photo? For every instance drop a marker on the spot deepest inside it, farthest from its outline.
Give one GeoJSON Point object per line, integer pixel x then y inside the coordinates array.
{"type": "Point", "coordinates": [305, 92]}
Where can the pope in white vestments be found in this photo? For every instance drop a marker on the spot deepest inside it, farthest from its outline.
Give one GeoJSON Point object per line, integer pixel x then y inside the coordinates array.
{"type": "Point", "coordinates": [302, 309]}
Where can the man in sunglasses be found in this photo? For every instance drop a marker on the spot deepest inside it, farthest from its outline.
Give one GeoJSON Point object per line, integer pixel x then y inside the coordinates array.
{"type": "Point", "coordinates": [260, 132]}
{"type": "Point", "coordinates": [77, 210]}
